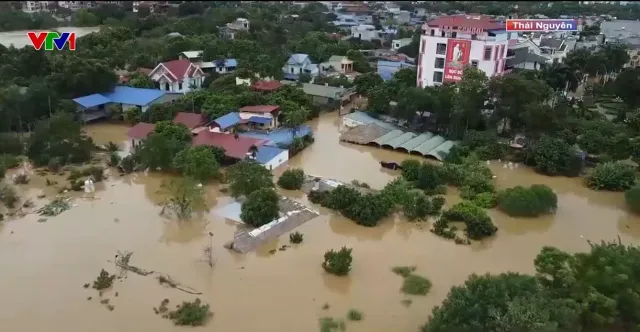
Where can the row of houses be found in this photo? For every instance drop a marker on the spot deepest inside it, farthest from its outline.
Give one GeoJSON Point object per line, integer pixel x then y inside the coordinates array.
{"type": "Point", "coordinates": [252, 140]}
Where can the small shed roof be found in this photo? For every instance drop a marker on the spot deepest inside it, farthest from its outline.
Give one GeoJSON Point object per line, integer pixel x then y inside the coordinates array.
{"type": "Point", "coordinates": [398, 141]}
{"type": "Point", "coordinates": [93, 100]}
{"type": "Point", "coordinates": [416, 141]}
{"type": "Point", "coordinates": [388, 137]}
{"type": "Point", "coordinates": [141, 130]}
{"type": "Point", "coordinates": [133, 96]}
{"type": "Point", "coordinates": [429, 145]}
{"type": "Point", "coordinates": [228, 120]}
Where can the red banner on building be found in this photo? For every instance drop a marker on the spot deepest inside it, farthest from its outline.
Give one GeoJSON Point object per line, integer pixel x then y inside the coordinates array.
{"type": "Point", "coordinates": [458, 52]}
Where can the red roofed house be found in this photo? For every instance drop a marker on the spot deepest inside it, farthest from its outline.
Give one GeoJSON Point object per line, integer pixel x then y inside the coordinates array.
{"type": "Point", "coordinates": [177, 76]}
{"type": "Point", "coordinates": [139, 133]}
{"type": "Point", "coordinates": [190, 120]}
{"type": "Point", "coordinates": [235, 146]}
{"type": "Point", "coordinates": [449, 43]}
{"type": "Point", "coordinates": [266, 86]}
{"type": "Point", "coordinates": [264, 117]}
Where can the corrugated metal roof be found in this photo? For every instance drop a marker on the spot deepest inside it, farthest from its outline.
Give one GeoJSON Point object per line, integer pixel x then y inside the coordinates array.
{"type": "Point", "coordinates": [416, 141]}
{"type": "Point", "coordinates": [322, 90]}
{"type": "Point", "coordinates": [121, 95]}
{"type": "Point", "coordinates": [365, 119]}
{"type": "Point", "coordinates": [228, 120]}
{"type": "Point", "coordinates": [93, 100]}
{"type": "Point", "coordinates": [388, 137]}
{"type": "Point", "coordinates": [266, 153]}
{"type": "Point", "coordinates": [398, 141]}
{"type": "Point", "coordinates": [442, 150]}
{"type": "Point", "coordinates": [429, 145]}
{"type": "Point", "coordinates": [192, 54]}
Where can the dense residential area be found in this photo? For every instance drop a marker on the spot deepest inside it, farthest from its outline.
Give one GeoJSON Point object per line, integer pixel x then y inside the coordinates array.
{"type": "Point", "coordinates": [319, 166]}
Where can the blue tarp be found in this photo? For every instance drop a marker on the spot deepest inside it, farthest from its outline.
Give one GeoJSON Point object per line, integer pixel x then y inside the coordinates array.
{"type": "Point", "coordinates": [259, 119]}
{"type": "Point", "coordinates": [282, 135]}
{"type": "Point", "coordinates": [121, 95]}
{"type": "Point", "coordinates": [266, 153]}
{"type": "Point", "coordinates": [228, 120]}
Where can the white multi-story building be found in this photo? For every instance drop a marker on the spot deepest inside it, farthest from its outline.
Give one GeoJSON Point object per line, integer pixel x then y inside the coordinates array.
{"type": "Point", "coordinates": [449, 43]}
{"type": "Point", "coordinates": [36, 6]}
{"type": "Point", "coordinates": [75, 5]}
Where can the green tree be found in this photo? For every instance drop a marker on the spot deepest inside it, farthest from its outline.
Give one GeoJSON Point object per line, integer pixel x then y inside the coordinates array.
{"type": "Point", "coordinates": [159, 151]}
{"type": "Point", "coordinates": [138, 80]}
{"type": "Point", "coordinates": [469, 101]}
{"type": "Point", "coordinates": [260, 207]}
{"type": "Point", "coordinates": [170, 130]}
{"type": "Point", "coordinates": [182, 196]}
{"type": "Point", "coordinates": [611, 176]}
{"type": "Point", "coordinates": [506, 302]}
{"type": "Point", "coordinates": [59, 137]}
{"type": "Point", "coordinates": [291, 179]}
{"type": "Point", "coordinates": [197, 162]}
{"type": "Point", "coordinates": [248, 176]}
{"type": "Point", "coordinates": [367, 81]}
{"type": "Point", "coordinates": [527, 202]}
{"type": "Point", "coordinates": [632, 198]}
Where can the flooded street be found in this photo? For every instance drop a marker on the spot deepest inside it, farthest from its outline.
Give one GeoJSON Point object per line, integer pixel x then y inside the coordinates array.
{"type": "Point", "coordinates": [44, 265]}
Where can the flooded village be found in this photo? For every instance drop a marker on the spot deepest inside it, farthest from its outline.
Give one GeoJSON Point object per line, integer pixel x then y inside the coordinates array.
{"type": "Point", "coordinates": [47, 263]}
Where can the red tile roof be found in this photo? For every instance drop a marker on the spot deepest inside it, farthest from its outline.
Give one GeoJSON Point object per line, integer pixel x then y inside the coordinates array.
{"type": "Point", "coordinates": [260, 109]}
{"type": "Point", "coordinates": [233, 147]}
{"type": "Point", "coordinates": [266, 86]}
{"type": "Point", "coordinates": [141, 130]}
{"type": "Point", "coordinates": [467, 21]}
{"type": "Point", "coordinates": [177, 69]}
{"type": "Point", "coordinates": [191, 120]}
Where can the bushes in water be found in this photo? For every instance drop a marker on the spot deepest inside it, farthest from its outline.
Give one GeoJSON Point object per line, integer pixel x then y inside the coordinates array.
{"type": "Point", "coordinates": [59, 136]}
{"type": "Point", "coordinates": [553, 156]}
{"type": "Point", "coordinates": [261, 207]}
{"type": "Point", "coordinates": [485, 200]}
{"type": "Point", "coordinates": [366, 210]}
{"type": "Point", "coordinates": [479, 224]}
{"type": "Point", "coordinates": [410, 169]}
{"type": "Point", "coordinates": [485, 144]}
{"type": "Point", "coordinates": [414, 284]}
{"type": "Point", "coordinates": [8, 196]}
{"type": "Point", "coordinates": [296, 237]}
{"type": "Point", "coordinates": [632, 197]}
{"type": "Point", "coordinates": [338, 262]}
{"type": "Point", "coordinates": [527, 202]}
{"type": "Point", "coordinates": [471, 176]}
{"type": "Point", "coordinates": [191, 314]}
{"type": "Point", "coordinates": [11, 144]}
{"type": "Point", "coordinates": [611, 176]}
{"type": "Point", "coordinates": [418, 206]}
{"type": "Point", "coordinates": [424, 176]}
{"type": "Point", "coordinates": [9, 161]}
{"type": "Point", "coordinates": [291, 179]}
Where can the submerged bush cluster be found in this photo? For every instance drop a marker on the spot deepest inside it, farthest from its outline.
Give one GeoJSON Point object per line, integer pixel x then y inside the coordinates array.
{"type": "Point", "coordinates": [338, 262]}
{"type": "Point", "coordinates": [611, 176]}
{"type": "Point", "coordinates": [527, 202]}
{"type": "Point", "coordinates": [365, 209]}
{"type": "Point", "coordinates": [477, 221]}
{"type": "Point", "coordinates": [291, 179]}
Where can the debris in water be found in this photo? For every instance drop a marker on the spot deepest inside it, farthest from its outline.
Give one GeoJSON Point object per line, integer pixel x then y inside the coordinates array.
{"type": "Point", "coordinates": [110, 307]}
{"type": "Point", "coordinates": [89, 298]}
{"type": "Point", "coordinates": [86, 285]}
{"type": "Point", "coordinates": [57, 206]}
{"type": "Point", "coordinates": [104, 301]}
{"type": "Point", "coordinates": [42, 220]}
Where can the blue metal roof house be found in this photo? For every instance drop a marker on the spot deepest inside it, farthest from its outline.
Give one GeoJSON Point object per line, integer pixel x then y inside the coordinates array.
{"type": "Point", "coordinates": [386, 69]}
{"type": "Point", "coordinates": [94, 106]}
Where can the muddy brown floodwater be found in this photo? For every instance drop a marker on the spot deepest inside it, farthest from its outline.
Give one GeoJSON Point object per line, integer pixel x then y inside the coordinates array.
{"type": "Point", "coordinates": [44, 265]}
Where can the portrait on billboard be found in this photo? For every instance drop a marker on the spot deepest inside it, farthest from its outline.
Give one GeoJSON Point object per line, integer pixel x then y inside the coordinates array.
{"type": "Point", "coordinates": [457, 57]}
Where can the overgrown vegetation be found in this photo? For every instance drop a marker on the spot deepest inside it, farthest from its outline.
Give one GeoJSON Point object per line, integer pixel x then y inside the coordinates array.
{"type": "Point", "coordinates": [296, 237]}
{"type": "Point", "coordinates": [183, 196]}
{"type": "Point", "coordinates": [192, 313]}
{"type": "Point", "coordinates": [260, 207]}
{"type": "Point", "coordinates": [338, 262]}
{"type": "Point", "coordinates": [291, 179]}
{"type": "Point", "coordinates": [611, 176]}
{"type": "Point", "coordinates": [527, 202]}
{"type": "Point", "coordinates": [104, 280]}
{"type": "Point", "coordinates": [478, 223]}
{"type": "Point", "coordinates": [632, 197]}
{"type": "Point", "coordinates": [354, 315]}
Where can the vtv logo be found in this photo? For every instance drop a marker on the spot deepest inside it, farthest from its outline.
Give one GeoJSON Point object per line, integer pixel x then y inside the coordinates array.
{"type": "Point", "coordinates": [52, 40]}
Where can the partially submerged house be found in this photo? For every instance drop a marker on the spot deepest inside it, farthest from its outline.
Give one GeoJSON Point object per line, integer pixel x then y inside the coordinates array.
{"type": "Point", "coordinates": [325, 95]}
{"type": "Point", "coordinates": [96, 106]}
{"type": "Point", "coordinates": [139, 133]}
{"type": "Point", "coordinates": [179, 76]}
{"type": "Point", "coordinates": [299, 64]}
{"type": "Point", "coordinates": [259, 117]}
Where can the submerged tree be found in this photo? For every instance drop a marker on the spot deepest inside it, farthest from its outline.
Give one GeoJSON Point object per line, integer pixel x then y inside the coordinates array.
{"type": "Point", "coordinates": [248, 176]}
{"type": "Point", "coordinates": [182, 196]}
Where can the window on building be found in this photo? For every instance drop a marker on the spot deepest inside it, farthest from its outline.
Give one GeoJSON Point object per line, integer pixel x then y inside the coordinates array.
{"type": "Point", "coordinates": [439, 63]}
{"type": "Point", "coordinates": [166, 86]}
{"type": "Point", "coordinates": [180, 86]}
{"type": "Point", "coordinates": [474, 63]}
{"type": "Point", "coordinates": [441, 48]}
{"type": "Point", "coordinates": [487, 53]}
{"type": "Point", "coordinates": [437, 77]}
{"type": "Point", "coordinates": [454, 34]}
{"type": "Point", "coordinates": [442, 33]}
{"type": "Point", "coordinates": [474, 37]}
{"type": "Point", "coordinates": [433, 32]}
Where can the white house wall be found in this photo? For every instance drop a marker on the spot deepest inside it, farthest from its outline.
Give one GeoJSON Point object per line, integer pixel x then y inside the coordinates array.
{"type": "Point", "coordinates": [278, 160]}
